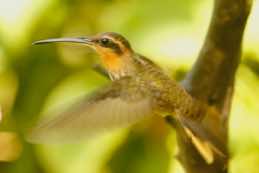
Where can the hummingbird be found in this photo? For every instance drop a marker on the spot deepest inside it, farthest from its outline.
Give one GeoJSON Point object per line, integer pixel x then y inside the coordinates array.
{"type": "Point", "coordinates": [138, 89]}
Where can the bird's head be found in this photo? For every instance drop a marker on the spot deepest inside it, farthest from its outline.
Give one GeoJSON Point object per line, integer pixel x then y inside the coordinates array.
{"type": "Point", "coordinates": [115, 51]}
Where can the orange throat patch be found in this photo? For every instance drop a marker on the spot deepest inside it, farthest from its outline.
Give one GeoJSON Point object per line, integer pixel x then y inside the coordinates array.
{"type": "Point", "coordinates": [112, 61]}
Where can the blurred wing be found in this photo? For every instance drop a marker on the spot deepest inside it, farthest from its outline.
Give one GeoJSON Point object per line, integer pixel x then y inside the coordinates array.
{"type": "Point", "coordinates": [111, 107]}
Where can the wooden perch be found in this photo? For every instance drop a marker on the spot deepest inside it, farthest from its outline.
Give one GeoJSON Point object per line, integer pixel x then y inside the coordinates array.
{"type": "Point", "coordinates": [211, 81]}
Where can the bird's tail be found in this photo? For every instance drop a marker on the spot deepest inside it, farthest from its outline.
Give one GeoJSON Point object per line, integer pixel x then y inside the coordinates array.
{"type": "Point", "coordinates": [204, 146]}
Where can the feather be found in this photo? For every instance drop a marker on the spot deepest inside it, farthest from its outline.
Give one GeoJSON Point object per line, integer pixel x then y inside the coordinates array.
{"type": "Point", "coordinates": [203, 147]}
{"type": "Point", "coordinates": [109, 108]}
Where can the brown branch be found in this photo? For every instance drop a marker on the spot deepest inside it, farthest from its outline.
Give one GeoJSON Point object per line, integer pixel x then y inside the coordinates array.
{"type": "Point", "coordinates": [211, 81]}
{"type": "Point", "coordinates": [214, 70]}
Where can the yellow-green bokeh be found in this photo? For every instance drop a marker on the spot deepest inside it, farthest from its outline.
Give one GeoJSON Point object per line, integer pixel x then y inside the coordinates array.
{"type": "Point", "coordinates": [34, 80]}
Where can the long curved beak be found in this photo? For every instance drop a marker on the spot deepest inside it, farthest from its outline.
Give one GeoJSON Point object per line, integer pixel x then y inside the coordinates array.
{"type": "Point", "coordinates": [84, 40]}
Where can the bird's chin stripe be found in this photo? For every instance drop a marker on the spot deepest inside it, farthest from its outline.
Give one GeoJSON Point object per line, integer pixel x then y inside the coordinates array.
{"type": "Point", "coordinates": [117, 75]}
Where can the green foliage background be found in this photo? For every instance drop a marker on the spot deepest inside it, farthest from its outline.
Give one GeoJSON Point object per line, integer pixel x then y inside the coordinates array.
{"type": "Point", "coordinates": [34, 80]}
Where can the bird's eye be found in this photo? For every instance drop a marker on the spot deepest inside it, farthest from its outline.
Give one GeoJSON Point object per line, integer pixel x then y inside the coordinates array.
{"type": "Point", "coordinates": [104, 41]}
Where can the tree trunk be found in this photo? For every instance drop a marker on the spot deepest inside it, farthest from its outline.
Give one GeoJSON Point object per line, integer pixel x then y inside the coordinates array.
{"type": "Point", "coordinates": [211, 82]}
